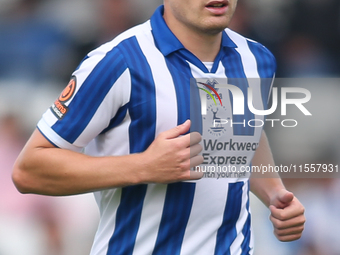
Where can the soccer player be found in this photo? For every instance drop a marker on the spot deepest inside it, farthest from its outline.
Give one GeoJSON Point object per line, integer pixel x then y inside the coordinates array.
{"type": "Point", "coordinates": [120, 129]}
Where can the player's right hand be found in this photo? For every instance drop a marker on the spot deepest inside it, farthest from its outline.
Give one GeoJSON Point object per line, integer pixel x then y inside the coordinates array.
{"type": "Point", "coordinates": [171, 155]}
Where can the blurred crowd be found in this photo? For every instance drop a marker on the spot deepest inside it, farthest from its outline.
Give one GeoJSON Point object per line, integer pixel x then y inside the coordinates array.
{"type": "Point", "coordinates": [42, 42]}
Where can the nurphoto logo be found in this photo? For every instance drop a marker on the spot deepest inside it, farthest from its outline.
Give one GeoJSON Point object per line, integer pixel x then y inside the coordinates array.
{"type": "Point", "coordinates": [238, 104]}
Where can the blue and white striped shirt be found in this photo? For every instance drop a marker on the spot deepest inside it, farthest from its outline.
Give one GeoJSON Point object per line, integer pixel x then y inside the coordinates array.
{"type": "Point", "coordinates": [124, 94]}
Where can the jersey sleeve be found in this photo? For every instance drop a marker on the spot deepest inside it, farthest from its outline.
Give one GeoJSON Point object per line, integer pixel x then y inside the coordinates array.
{"type": "Point", "coordinates": [97, 90]}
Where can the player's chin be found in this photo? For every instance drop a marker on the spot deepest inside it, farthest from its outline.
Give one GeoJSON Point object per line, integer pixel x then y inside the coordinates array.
{"type": "Point", "coordinates": [216, 26]}
{"type": "Point", "coordinates": [213, 30]}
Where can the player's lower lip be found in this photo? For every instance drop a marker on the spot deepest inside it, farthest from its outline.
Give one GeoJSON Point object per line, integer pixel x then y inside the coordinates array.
{"type": "Point", "coordinates": [217, 10]}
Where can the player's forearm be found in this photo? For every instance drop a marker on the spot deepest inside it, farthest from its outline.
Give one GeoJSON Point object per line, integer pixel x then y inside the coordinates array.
{"type": "Point", "coordinates": [45, 169]}
{"type": "Point", "coordinates": [59, 172]}
{"type": "Point", "coordinates": [264, 185]}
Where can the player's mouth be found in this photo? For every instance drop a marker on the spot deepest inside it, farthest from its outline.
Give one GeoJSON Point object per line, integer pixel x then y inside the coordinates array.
{"type": "Point", "coordinates": [217, 7]}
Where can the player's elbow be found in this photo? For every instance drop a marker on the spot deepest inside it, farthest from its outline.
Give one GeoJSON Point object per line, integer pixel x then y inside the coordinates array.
{"type": "Point", "coordinates": [22, 179]}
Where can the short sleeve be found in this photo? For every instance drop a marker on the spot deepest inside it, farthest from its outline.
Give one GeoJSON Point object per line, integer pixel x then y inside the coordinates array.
{"type": "Point", "coordinates": [97, 90]}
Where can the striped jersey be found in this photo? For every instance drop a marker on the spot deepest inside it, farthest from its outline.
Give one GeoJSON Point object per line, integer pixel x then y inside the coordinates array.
{"type": "Point", "coordinates": [126, 92]}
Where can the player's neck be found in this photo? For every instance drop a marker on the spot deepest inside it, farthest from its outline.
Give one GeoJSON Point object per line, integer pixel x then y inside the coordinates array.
{"type": "Point", "coordinates": [204, 46]}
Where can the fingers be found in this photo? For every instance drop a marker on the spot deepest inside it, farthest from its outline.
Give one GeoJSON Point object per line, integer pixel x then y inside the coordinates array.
{"type": "Point", "coordinates": [178, 134]}
{"type": "Point", "coordinates": [289, 212]}
{"type": "Point", "coordinates": [288, 222]}
{"type": "Point", "coordinates": [195, 138]}
{"type": "Point", "coordinates": [195, 161]}
{"type": "Point", "coordinates": [172, 154]}
{"type": "Point", "coordinates": [193, 153]}
{"type": "Point", "coordinates": [282, 199]}
{"type": "Point", "coordinates": [195, 150]}
{"type": "Point", "coordinates": [288, 238]}
{"type": "Point", "coordinates": [286, 197]}
{"type": "Point", "coordinates": [189, 139]}
{"type": "Point", "coordinates": [289, 234]}
{"type": "Point", "coordinates": [177, 131]}
{"type": "Point", "coordinates": [195, 175]}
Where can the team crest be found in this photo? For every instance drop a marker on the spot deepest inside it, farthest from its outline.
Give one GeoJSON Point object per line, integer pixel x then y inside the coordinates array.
{"type": "Point", "coordinates": [212, 121]}
{"type": "Point", "coordinates": [215, 112]}
{"type": "Point", "coordinates": [212, 84]}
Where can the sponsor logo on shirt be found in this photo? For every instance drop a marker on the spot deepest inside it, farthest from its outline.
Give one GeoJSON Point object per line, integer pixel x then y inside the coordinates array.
{"type": "Point", "coordinates": [59, 109]}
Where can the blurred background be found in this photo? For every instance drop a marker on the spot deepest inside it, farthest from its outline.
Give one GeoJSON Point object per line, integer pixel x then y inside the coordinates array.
{"type": "Point", "coordinates": [42, 42]}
